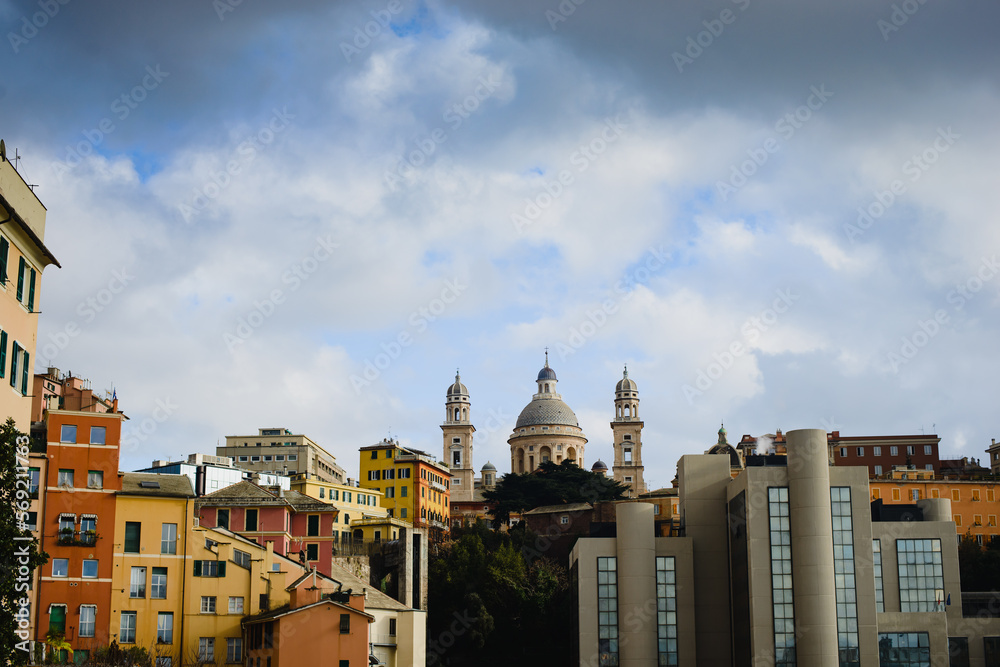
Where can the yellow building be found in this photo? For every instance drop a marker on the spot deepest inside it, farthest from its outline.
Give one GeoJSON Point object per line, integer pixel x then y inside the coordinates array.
{"type": "Point", "coordinates": [355, 504]}
{"type": "Point", "coordinates": [415, 487]}
{"type": "Point", "coordinates": [23, 257]}
{"type": "Point", "coordinates": [154, 519]}
{"type": "Point", "coordinates": [180, 590]}
{"type": "Point", "coordinates": [975, 504]}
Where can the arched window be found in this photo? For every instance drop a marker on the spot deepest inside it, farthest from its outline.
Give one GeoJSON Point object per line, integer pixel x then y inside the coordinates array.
{"type": "Point", "coordinates": [465, 413]}
{"type": "Point", "coordinates": [628, 410]}
{"type": "Point", "coordinates": [457, 413]}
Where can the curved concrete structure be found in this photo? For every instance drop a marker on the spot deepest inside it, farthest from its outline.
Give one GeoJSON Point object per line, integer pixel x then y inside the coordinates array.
{"type": "Point", "coordinates": [636, 585]}
{"type": "Point", "coordinates": [812, 548]}
{"type": "Point", "coordinates": [936, 509]}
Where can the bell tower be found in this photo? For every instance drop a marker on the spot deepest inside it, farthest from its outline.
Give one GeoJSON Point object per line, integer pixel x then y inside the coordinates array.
{"type": "Point", "coordinates": [457, 432]}
{"type": "Point", "coordinates": [627, 432]}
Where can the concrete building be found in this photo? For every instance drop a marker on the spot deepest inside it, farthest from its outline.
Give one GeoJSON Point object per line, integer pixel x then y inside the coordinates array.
{"type": "Point", "coordinates": [415, 487]}
{"type": "Point", "coordinates": [23, 257]}
{"type": "Point", "coordinates": [880, 453]}
{"type": "Point", "coordinates": [278, 450]}
{"type": "Point", "coordinates": [785, 564]}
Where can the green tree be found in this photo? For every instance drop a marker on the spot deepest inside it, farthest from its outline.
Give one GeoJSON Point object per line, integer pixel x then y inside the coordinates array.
{"type": "Point", "coordinates": [979, 566]}
{"type": "Point", "coordinates": [20, 555]}
{"type": "Point", "coordinates": [551, 484]}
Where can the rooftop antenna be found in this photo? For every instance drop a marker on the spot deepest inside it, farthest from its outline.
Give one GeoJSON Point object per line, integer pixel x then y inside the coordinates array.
{"type": "Point", "coordinates": [17, 158]}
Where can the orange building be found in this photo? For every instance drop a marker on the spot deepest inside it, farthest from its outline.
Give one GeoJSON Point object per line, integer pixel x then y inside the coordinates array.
{"type": "Point", "coordinates": [334, 622]}
{"type": "Point", "coordinates": [77, 528]}
{"type": "Point", "coordinates": [975, 504]}
{"type": "Point", "coordinates": [55, 391]}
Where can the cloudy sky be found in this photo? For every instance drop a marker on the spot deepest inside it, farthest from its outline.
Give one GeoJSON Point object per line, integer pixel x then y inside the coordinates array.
{"type": "Point", "coordinates": [306, 215]}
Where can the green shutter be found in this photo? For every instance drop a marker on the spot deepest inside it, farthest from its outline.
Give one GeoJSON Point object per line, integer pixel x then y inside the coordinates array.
{"type": "Point", "coordinates": [57, 620]}
{"type": "Point", "coordinates": [197, 568]}
{"type": "Point", "coordinates": [24, 374]}
{"type": "Point", "coordinates": [133, 531]}
{"type": "Point", "coordinates": [20, 279]}
{"type": "Point", "coordinates": [13, 364]}
{"type": "Point", "coordinates": [31, 292]}
{"type": "Point", "coordinates": [222, 568]}
{"type": "Point", "coordinates": [4, 252]}
{"type": "Point", "coordinates": [3, 352]}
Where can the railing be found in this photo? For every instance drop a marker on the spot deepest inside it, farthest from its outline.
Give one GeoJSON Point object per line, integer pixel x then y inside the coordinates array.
{"type": "Point", "coordinates": [384, 640]}
{"type": "Point", "coordinates": [78, 538]}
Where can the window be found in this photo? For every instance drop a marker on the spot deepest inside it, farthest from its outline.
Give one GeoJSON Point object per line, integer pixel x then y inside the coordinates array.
{"type": "Point", "coordinates": [628, 455]}
{"type": "Point", "coordinates": [388, 453]}
{"type": "Point", "coordinates": [861, 451]}
{"type": "Point", "coordinates": [19, 362]}
{"type": "Point", "coordinates": [929, 466]}
{"type": "Point", "coordinates": [958, 650]}
{"type": "Point", "coordinates": [31, 521]}
{"type": "Point", "coordinates": [564, 520]}
{"type": "Point", "coordinates": [234, 649]}
{"type": "Point", "coordinates": [132, 533]}
{"type": "Point", "coordinates": [904, 649]}
{"type": "Point", "coordinates": [210, 568]}
{"type": "Point", "coordinates": [989, 495]}
{"type": "Point", "coordinates": [977, 520]}
{"type": "Point", "coordinates": [921, 578]}
{"type": "Point", "coordinates": [241, 558]}
{"type": "Point", "coordinates": [168, 538]}
{"type": "Point", "coordinates": [279, 457]}
{"type": "Point", "coordinates": [975, 494]}
{"type": "Point", "coordinates": [165, 627]}
{"type": "Point", "coordinates": [666, 607]}
{"type": "Point", "coordinates": [67, 433]}
{"type": "Point", "coordinates": [895, 494]}
{"type": "Point", "coordinates": [935, 493]}
{"type": "Point", "coordinates": [956, 495]}
{"type": "Point", "coordinates": [402, 510]}
{"type": "Point", "coordinates": [254, 459]}
{"type": "Point", "coordinates": [392, 627]}
{"type": "Point", "coordinates": [65, 478]}
{"type": "Point", "coordinates": [206, 649]}
{"type": "Point", "coordinates": [158, 584]}
{"type": "Point", "coordinates": [57, 618]}
{"type": "Point", "coordinates": [267, 458]}
{"type": "Point", "coordinates": [292, 457]}
{"type": "Point", "coordinates": [208, 604]}
{"type": "Point", "coordinates": [403, 489]}
{"type": "Point", "coordinates": [67, 523]}
{"type": "Point", "coordinates": [914, 495]}
{"type": "Point", "coordinates": [876, 451]}
{"type": "Point", "coordinates": [928, 450]}
{"type": "Point", "coordinates": [34, 475]}
{"type": "Point", "coordinates": [88, 620]}
{"type": "Point", "coordinates": [628, 480]}
{"type": "Point", "coordinates": [878, 470]}
{"type": "Point", "coordinates": [312, 552]}
{"type": "Point", "coordinates": [894, 451]}
{"type": "Point", "coordinates": [991, 648]}
{"type": "Point", "coordinates": [222, 519]}
{"type": "Point", "coordinates": [843, 452]}
{"type": "Point", "coordinates": [844, 577]}
{"type": "Point", "coordinates": [235, 605]}
{"type": "Point", "coordinates": [4, 254]}
{"type": "Point", "coordinates": [390, 492]}
{"type": "Point", "coordinates": [251, 520]}
{"type": "Point", "coordinates": [781, 577]}
{"type": "Point", "coordinates": [137, 587]}
{"type": "Point", "coordinates": [375, 454]}
{"type": "Point", "coordinates": [345, 624]}
{"type": "Point", "coordinates": [991, 519]}
{"type": "Point", "coordinates": [98, 435]}
{"type": "Point", "coordinates": [877, 563]}
{"type": "Point", "coordinates": [126, 634]}
{"type": "Point", "coordinates": [322, 493]}
{"type": "Point", "coordinates": [958, 522]}
{"type": "Point", "coordinates": [909, 450]}
{"type": "Point", "coordinates": [312, 529]}
{"type": "Point", "coordinates": [243, 459]}
{"type": "Point", "coordinates": [89, 568]}
{"type": "Point", "coordinates": [95, 479]}
{"type": "Point", "coordinates": [607, 611]}
{"type": "Point", "coordinates": [60, 567]}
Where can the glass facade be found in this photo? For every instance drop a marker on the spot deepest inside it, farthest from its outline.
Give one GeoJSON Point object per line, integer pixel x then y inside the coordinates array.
{"type": "Point", "coordinates": [781, 577]}
{"type": "Point", "coordinates": [843, 568]}
{"type": "Point", "coordinates": [666, 611]}
{"type": "Point", "coordinates": [904, 649]}
{"type": "Point", "coordinates": [607, 611]}
{"type": "Point", "coordinates": [877, 562]}
{"type": "Point", "coordinates": [921, 578]}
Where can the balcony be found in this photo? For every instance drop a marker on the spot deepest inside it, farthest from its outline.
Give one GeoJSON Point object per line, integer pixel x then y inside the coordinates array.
{"type": "Point", "coordinates": [77, 538]}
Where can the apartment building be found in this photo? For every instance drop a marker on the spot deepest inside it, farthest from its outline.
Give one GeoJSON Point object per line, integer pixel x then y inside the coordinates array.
{"type": "Point", "coordinates": [355, 504]}
{"type": "Point", "coordinates": [415, 487]}
{"type": "Point", "coordinates": [278, 450]}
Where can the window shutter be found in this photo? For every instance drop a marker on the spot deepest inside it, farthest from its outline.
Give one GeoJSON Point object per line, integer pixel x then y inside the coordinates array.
{"type": "Point", "coordinates": [3, 352]}
{"type": "Point", "coordinates": [31, 292]}
{"type": "Point", "coordinates": [197, 568]}
{"type": "Point", "coordinates": [222, 568]}
{"type": "Point", "coordinates": [24, 374]}
{"type": "Point", "coordinates": [20, 279]}
{"type": "Point", "coordinates": [13, 364]}
{"type": "Point", "coordinates": [4, 252]}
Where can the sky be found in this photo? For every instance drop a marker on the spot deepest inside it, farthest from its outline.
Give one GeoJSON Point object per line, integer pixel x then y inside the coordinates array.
{"type": "Point", "coordinates": [309, 215]}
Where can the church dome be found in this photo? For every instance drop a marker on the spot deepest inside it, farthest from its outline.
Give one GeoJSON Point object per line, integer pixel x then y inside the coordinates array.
{"type": "Point", "coordinates": [457, 389]}
{"type": "Point", "coordinates": [489, 467]}
{"type": "Point", "coordinates": [626, 384]}
{"type": "Point", "coordinates": [546, 373]}
{"type": "Point", "coordinates": [600, 466]}
{"type": "Point", "coordinates": [547, 410]}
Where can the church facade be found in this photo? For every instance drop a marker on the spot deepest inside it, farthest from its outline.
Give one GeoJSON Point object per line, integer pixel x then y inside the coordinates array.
{"type": "Point", "coordinates": [547, 430]}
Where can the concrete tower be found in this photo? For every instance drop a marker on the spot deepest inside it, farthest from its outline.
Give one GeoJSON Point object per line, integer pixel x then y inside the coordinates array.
{"type": "Point", "coordinates": [627, 433]}
{"type": "Point", "coordinates": [457, 432]}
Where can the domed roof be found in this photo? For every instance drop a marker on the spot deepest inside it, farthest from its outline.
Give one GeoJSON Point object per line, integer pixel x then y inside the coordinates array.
{"type": "Point", "coordinates": [546, 410]}
{"type": "Point", "coordinates": [489, 466]}
{"type": "Point", "coordinates": [625, 384]}
{"type": "Point", "coordinates": [458, 389]}
{"type": "Point", "coordinates": [600, 465]}
{"type": "Point", "coordinates": [546, 373]}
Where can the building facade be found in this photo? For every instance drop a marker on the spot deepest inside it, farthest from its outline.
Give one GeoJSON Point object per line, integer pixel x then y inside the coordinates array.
{"type": "Point", "coordinates": [881, 453]}
{"type": "Point", "coordinates": [278, 450]}
{"type": "Point", "coordinates": [627, 432]}
{"type": "Point", "coordinates": [23, 257]}
{"type": "Point", "coordinates": [415, 487]}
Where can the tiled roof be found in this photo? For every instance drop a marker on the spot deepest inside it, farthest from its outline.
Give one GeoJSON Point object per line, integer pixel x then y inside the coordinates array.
{"type": "Point", "coordinates": [546, 411]}
{"type": "Point", "coordinates": [152, 484]}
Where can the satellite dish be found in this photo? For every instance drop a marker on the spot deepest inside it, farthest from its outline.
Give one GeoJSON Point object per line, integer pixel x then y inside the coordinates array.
{"type": "Point", "coordinates": [3, 151]}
